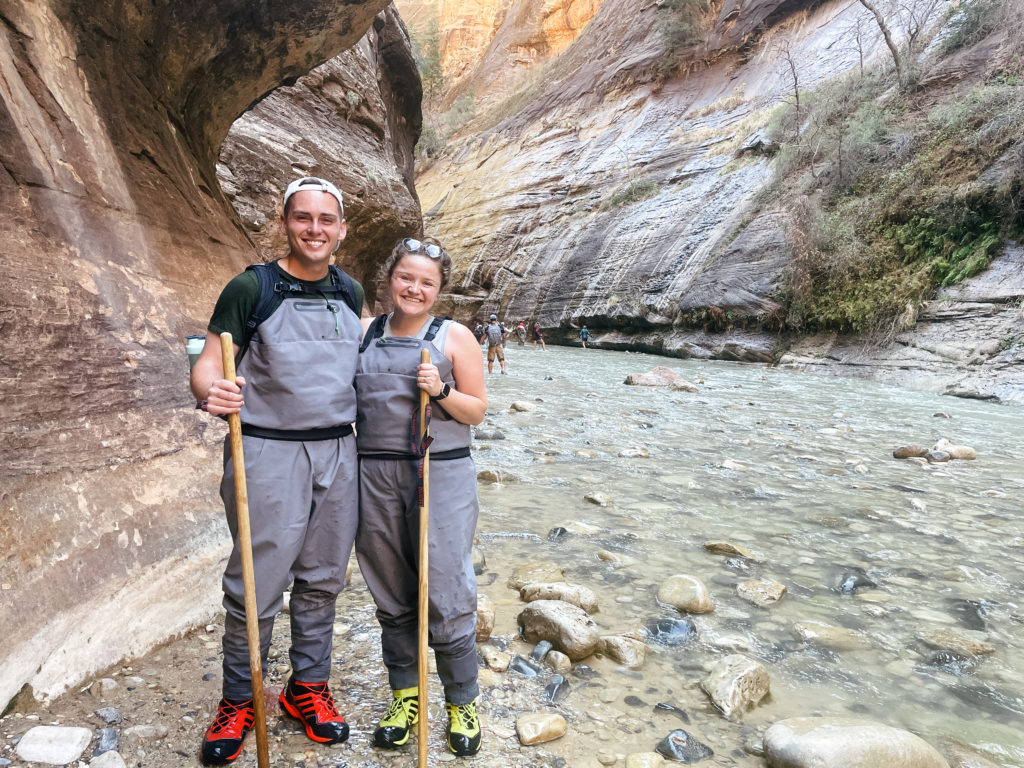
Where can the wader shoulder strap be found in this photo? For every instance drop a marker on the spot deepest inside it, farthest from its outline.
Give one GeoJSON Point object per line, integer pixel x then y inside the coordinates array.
{"type": "Point", "coordinates": [375, 331]}
{"type": "Point", "coordinates": [435, 326]}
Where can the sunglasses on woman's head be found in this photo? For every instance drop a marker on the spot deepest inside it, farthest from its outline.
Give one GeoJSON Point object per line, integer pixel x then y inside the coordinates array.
{"type": "Point", "coordinates": [415, 246]}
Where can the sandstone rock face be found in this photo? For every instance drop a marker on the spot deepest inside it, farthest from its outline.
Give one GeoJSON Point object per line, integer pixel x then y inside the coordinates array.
{"type": "Point", "coordinates": [604, 194]}
{"type": "Point", "coordinates": [809, 742]}
{"type": "Point", "coordinates": [116, 239]}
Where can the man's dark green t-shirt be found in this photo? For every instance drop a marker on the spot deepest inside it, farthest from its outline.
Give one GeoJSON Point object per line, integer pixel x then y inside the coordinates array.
{"type": "Point", "coordinates": [239, 297]}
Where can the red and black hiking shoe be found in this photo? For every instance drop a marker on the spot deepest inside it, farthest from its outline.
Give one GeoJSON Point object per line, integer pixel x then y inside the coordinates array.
{"type": "Point", "coordinates": [313, 705]}
{"type": "Point", "coordinates": [223, 740]}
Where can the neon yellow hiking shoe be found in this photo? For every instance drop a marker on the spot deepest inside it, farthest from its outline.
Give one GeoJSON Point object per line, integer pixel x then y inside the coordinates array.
{"type": "Point", "coordinates": [393, 729]}
{"type": "Point", "coordinates": [463, 729]}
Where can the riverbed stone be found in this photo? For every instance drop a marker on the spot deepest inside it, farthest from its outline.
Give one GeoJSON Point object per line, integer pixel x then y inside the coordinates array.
{"type": "Point", "coordinates": [670, 632]}
{"type": "Point", "coordinates": [496, 660]}
{"type": "Point", "coordinates": [659, 376]}
{"type": "Point", "coordinates": [568, 627]}
{"type": "Point", "coordinates": [736, 684]}
{"type": "Point", "coordinates": [962, 452]}
{"type": "Point", "coordinates": [954, 640]}
{"type": "Point", "coordinates": [729, 549]}
{"type": "Point", "coordinates": [138, 734]}
{"type": "Point", "coordinates": [937, 457]}
{"type": "Point", "coordinates": [495, 477]}
{"type": "Point", "coordinates": [627, 649]}
{"type": "Point", "coordinates": [109, 715]}
{"type": "Point", "coordinates": [686, 593]}
{"type": "Point", "coordinates": [761, 592]}
{"type": "Point", "coordinates": [909, 451]}
{"type": "Point", "coordinates": [683, 748]}
{"type": "Point", "coordinates": [479, 561]}
{"type": "Point", "coordinates": [644, 760]}
{"type": "Point", "coordinates": [813, 742]}
{"type": "Point", "coordinates": [535, 572]}
{"type": "Point", "coordinates": [108, 741]}
{"type": "Point", "coordinates": [635, 452]}
{"type": "Point", "coordinates": [521, 406]}
{"type": "Point", "coordinates": [484, 617]}
{"type": "Point", "coordinates": [540, 728]}
{"type": "Point", "coordinates": [682, 385]}
{"type": "Point", "coordinates": [829, 636]}
{"type": "Point", "coordinates": [558, 662]}
{"type": "Point", "coordinates": [53, 744]}
{"type": "Point", "coordinates": [108, 760]}
{"type": "Point", "coordinates": [577, 595]}
{"type": "Point", "coordinates": [599, 498]}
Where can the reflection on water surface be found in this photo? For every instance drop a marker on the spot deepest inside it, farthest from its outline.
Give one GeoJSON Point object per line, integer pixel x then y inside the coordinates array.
{"type": "Point", "coordinates": [798, 469]}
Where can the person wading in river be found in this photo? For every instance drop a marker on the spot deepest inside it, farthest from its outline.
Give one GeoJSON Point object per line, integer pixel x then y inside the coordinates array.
{"type": "Point", "coordinates": [298, 375]}
{"type": "Point", "coordinates": [496, 335]}
{"type": "Point", "coordinates": [389, 380]}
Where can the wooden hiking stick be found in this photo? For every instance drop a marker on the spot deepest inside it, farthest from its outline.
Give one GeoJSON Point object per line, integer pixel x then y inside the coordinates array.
{"type": "Point", "coordinates": [227, 351]}
{"type": "Point", "coordinates": [421, 733]}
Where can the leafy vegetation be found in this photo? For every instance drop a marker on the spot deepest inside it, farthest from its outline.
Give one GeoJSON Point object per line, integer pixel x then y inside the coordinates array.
{"type": "Point", "coordinates": [682, 27]}
{"type": "Point", "coordinates": [634, 192]}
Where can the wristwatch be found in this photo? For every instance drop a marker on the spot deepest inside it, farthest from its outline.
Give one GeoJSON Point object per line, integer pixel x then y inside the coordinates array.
{"type": "Point", "coordinates": [445, 391]}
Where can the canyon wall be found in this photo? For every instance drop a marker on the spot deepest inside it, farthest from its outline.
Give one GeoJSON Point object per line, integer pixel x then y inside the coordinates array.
{"type": "Point", "coordinates": [619, 190]}
{"type": "Point", "coordinates": [116, 241]}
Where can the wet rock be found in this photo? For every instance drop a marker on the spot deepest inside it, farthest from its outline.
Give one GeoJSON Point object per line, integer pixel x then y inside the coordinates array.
{"type": "Point", "coordinates": [540, 650]}
{"type": "Point", "coordinates": [729, 549]}
{"type": "Point", "coordinates": [670, 632]}
{"type": "Point", "coordinates": [566, 626]}
{"type": "Point", "coordinates": [736, 684]}
{"type": "Point", "coordinates": [636, 452]}
{"type": "Point", "coordinates": [484, 617]}
{"type": "Point", "coordinates": [523, 666]}
{"type": "Point", "coordinates": [108, 760]}
{"type": "Point", "coordinates": [540, 728]}
{"type": "Point", "coordinates": [810, 742]}
{"type": "Point", "coordinates": [962, 452]}
{"type": "Point", "coordinates": [659, 376]}
{"type": "Point", "coordinates": [829, 636]}
{"type": "Point", "coordinates": [534, 572]}
{"type": "Point", "coordinates": [557, 533]}
{"type": "Point", "coordinates": [682, 747]}
{"type": "Point", "coordinates": [661, 706]}
{"type": "Point", "coordinates": [761, 592]}
{"type": "Point", "coordinates": [577, 595]}
{"type": "Point", "coordinates": [601, 499]}
{"type": "Point", "coordinates": [556, 690]}
{"type": "Point", "coordinates": [479, 561]}
{"type": "Point", "coordinates": [962, 756]}
{"type": "Point", "coordinates": [686, 593]}
{"type": "Point", "coordinates": [108, 741]}
{"type": "Point", "coordinates": [53, 744]}
{"type": "Point", "coordinates": [644, 760]}
{"type": "Point", "coordinates": [937, 457]}
{"type": "Point", "coordinates": [586, 453]}
{"type": "Point", "coordinates": [853, 581]}
{"type": "Point", "coordinates": [488, 434]}
{"type": "Point", "coordinates": [952, 663]}
{"type": "Point", "coordinates": [495, 477]}
{"type": "Point", "coordinates": [558, 661]}
{"type": "Point", "coordinates": [628, 649]}
{"type": "Point", "coordinates": [496, 661]}
{"type": "Point", "coordinates": [735, 466]}
{"type": "Point", "coordinates": [682, 385]}
{"type": "Point", "coordinates": [954, 641]}
{"type": "Point", "coordinates": [139, 734]}
{"type": "Point", "coordinates": [986, 699]}
{"type": "Point", "coordinates": [521, 406]}
{"type": "Point", "coordinates": [909, 452]}
{"type": "Point", "coordinates": [109, 715]}
{"type": "Point", "coordinates": [607, 757]}
{"type": "Point", "coordinates": [970, 613]}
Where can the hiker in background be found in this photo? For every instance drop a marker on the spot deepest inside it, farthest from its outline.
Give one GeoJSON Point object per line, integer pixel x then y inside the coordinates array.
{"type": "Point", "coordinates": [388, 541]}
{"type": "Point", "coordinates": [521, 333]}
{"type": "Point", "coordinates": [538, 336]}
{"type": "Point", "coordinates": [584, 335]}
{"type": "Point", "coordinates": [478, 333]}
{"type": "Point", "coordinates": [496, 335]}
{"type": "Point", "coordinates": [300, 459]}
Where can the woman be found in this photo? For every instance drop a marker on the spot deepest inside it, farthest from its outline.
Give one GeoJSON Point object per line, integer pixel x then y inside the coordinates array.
{"type": "Point", "coordinates": [389, 379]}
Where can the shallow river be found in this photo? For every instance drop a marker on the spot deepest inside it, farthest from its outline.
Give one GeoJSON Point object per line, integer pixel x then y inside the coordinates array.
{"type": "Point", "coordinates": [799, 469]}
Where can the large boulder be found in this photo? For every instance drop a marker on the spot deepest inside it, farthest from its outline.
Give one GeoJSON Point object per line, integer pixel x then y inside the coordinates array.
{"type": "Point", "coordinates": [567, 627]}
{"type": "Point", "coordinates": [814, 742]}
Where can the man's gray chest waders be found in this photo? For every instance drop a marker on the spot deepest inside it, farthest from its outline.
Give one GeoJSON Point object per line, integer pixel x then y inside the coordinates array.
{"type": "Point", "coordinates": [389, 397]}
{"type": "Point", "coordinates": [299, 366]}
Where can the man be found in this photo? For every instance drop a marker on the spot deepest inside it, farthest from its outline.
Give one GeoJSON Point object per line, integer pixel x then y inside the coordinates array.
{"type": "Point", "coordinates": [521, 333]}
{"type": "Point", "coordinates": [538, 336]}
{"type": "Point", "coordinates": [295, 393]}
{"type": "Point", "coordinates": [496, 334]}
{"type": "Point", "coordinates": [584, 335]}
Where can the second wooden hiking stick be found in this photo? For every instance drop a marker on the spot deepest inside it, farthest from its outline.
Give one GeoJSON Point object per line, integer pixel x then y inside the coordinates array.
{"type": "Point", "coordinates": [421, 734]}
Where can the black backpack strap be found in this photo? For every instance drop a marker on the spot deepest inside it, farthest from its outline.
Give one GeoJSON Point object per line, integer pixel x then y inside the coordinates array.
{"type": "Point", "coordinates": [345, 287]}
{"type": "Point", "coordinates": [435, 326]}
{"type": "Point", "coordinates": [375, 331]}
{"type": "Point", "coordinates": [267, 275]}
